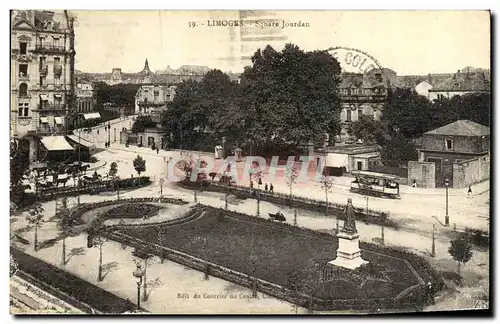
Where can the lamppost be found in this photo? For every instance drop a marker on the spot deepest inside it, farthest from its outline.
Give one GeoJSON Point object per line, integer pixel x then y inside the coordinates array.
{"type": "Point", "coordinates": [168, 161]}
{"type": "Point", "coordinates": [114, 135]}
{"type": "Point", "coordinates": [446, 217]}
{"type": "Point", "coordinates": [161, 187]}
{"type": "Point", "coordinates": [138, 273]}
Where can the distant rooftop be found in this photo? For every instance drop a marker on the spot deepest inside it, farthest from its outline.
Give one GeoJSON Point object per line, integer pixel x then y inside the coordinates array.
{"type": "Point", "coordinates": [462, 128]}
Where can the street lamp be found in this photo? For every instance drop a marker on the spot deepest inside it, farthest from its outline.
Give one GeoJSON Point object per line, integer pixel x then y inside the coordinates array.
{"type": "Point", "coordinates": [446, 217]}
{"type": "Point", "coordinates": [138, 273]}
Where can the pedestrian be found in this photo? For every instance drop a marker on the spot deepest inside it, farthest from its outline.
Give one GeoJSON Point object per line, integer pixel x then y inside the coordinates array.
{"type": "Point", "coordinates": [414, 185]}
{"type": "Point", "coordinates": [271, 188]}
{"type": "Point", "coordinates": [430, 293]}
{"type": "Point", "coordinates": [469, 192]}
{"type": "Point", "coordinates": [97, 132]}
{"type": "Point", "coordinates": [157, 150]}
{"type": "Point", "coordinates": [251, 184]}
{"type": "Point", "coordinates": [265, 187]}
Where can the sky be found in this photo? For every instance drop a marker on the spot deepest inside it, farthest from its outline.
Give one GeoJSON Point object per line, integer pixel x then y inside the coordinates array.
{"type": "Point", "coordinates": [408, 42]}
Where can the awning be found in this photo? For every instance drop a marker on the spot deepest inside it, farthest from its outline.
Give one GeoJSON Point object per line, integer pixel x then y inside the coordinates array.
{"type": "Point", "coordinates": [335, 160]}
{"type": "Point", "coordinates": [44, 97]}
{"type": "Point", "coordinates": [81, 141]}
{"type": "Point", "coordinates": [91, 116]}
{"type": "Point", "coordinates": [58, 120]}
{"type": "Point", "coordinates": [57, 95]}
{"type": "Point", "coordinates": [367, 155]}
{"type": "Point", "coordinates": [44, 120]}
{"type": "Point", "coordinates": [56, 143]}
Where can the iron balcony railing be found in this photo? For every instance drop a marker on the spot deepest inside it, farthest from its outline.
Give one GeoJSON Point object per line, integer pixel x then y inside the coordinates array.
{"type": "Point", "coordinates": [49, 48]}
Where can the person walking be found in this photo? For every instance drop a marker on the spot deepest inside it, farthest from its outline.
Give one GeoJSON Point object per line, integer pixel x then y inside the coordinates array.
{"type": "Point", "coordinates": [469, 192]}
{"type": "Point", "coordinates": [251, 184]}
{"type": "Point", "coordinates": [271, 188]}
{"type": "Point", "coordinates": [157, 150]}
{"type": "Point", "coordinates": [265, 187]}
{"type": "Point", "coordinates": [430, 293]}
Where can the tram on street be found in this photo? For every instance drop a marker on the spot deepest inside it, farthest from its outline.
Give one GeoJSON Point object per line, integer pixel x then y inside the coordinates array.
{"type": "Point", "coordinates": [375, 184]}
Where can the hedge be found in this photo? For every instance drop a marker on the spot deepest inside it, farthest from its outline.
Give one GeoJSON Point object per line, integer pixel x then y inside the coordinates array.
{"type": "Point", "coordinates": [71, 285]}
{"type": "Point", "coordinates": [370, 216]}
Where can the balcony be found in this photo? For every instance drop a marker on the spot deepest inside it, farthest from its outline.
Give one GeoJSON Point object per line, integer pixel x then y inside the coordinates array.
{"type": "Point", "coordinates": [23, 76]}
{"type": "Point", "coordinates": [57, 70]}
{"type": "Point", "coordinates": [50, 107]}
{"type": "Point", "coordinates": [49, 49]}
{"type": "Point", "coordinates": [44, 69]}
{"type": "Point", "coordinates": [151, 103]}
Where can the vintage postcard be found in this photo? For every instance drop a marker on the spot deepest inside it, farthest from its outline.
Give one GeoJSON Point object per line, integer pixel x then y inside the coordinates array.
{"type": "Point", "coordinates": [249, 162]}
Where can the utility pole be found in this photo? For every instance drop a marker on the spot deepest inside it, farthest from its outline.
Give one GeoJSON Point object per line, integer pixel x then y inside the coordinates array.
{"type": "Point", "coordinates": [295, 216]}
{"type": "Point", "coordinates": [433, 248]}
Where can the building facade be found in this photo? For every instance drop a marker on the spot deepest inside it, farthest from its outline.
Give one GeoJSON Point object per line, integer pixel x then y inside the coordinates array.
{"type": "Point", "coordinates": [461, 83]}
{"type": "Point", "coordinates": [454, 143]}
{"type": "Point", "coordinates": [152, 99]}
{"type": "Point", "coordinates": [85, 98]}
{"type": "Point", "coordinates": [42, 78]}
{"type": "Point", "coordinates": [361, 95]}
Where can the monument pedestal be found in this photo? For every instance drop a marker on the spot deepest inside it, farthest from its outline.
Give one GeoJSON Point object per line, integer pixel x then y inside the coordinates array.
{"type": "Point", "coordinates": [348, 252]}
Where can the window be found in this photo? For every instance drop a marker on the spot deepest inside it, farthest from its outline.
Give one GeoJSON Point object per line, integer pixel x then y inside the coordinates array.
{"type": "Point", "coordinates": [360, 113]}
{"type": "Point", "coordinates": [449, 144]}
{"type": "Point", "coordinates": [57, 61]}
{"type": "Point", "coordinates": [41, 39]}
{"type": "Point", "coordinates": [348, 115]}
{"type": "Point", "coordinates": [57, 81]}
{"type": "Point", "coordinates": [23, 70]}
{"type": "Point", "coordinates": [42, 81]}
{"type": "Point", "coordinates": [23, 109]}
{"type": "Point", "coordinates": [23, 90]}
{"type": "Point", "coordinates": [56, 42]}
{"type": "Point", "coordinates": [23, 48]}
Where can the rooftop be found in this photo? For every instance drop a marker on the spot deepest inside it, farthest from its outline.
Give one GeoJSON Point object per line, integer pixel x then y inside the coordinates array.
{"type": "Point", "coordinates": [461, 128]}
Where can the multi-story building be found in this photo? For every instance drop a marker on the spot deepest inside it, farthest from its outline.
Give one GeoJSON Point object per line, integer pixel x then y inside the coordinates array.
{"type": "Point", "coordinates": [85, 98]}
{"type": "Point", "coordinates": [152, 99]}
{"type": "Point", "coordinates": [361, 95]}
{"type": "Point", "coordinates": [42, 78]}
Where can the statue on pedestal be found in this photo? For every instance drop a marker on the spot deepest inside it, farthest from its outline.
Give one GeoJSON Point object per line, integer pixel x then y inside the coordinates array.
{"type": "Point", "coordinates": [349, 222]}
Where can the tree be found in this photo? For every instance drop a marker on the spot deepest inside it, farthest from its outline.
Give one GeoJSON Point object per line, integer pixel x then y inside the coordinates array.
{"type": "Point", "coordinates": [113, 170]}
{"type": "Point", "coordinates": [367, 129]}
{"type": "Point", "coordinates": [139, 165]}
{"type": "Point", "coordinates": [290, 97]}
{"type": "Point", "coordinates": [98, 242]}
{"type": "Point", "coordinates": [141, 123]}
{"type": "Point", "coordinates": [62, 213]}
{"type": "Point", "coordinates": [327, 185]}
{"type": "Point", "coordinates": [291, 174]}
{"type": "Point", "coordinates": [19, 162]}
{"type": "Point", "coordinates": [35, 218]}
{"type": "Point", "coordinates": [407, 113]}
{"type": "Point", "coordinates": [460, 250]}
{"type": "Point", "coordinates": [398, 150]}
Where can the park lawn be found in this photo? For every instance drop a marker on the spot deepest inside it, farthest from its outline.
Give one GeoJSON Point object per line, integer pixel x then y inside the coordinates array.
{"type": "Point", "coordinates": [276, 253]}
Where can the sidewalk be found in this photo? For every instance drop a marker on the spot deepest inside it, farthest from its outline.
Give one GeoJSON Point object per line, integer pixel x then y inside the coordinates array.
{"type": "Point", "coordinates": [417, 205]}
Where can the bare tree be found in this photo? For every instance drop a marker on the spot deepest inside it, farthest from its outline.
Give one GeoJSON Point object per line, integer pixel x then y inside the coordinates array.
{"type": "Point", "coordinates": [98, 242]}
{"type": "Point", "coordinates": [35, 218]}
{"type": "Point", "coordinates": [327, 185]}
{"type": "Point", "coordinates": [291, 175]}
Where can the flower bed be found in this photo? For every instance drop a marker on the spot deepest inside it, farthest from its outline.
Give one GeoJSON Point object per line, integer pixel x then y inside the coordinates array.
{"type": "Point", "coordinates": [227, 246]}
{"type": "Point", "coordinates": [132, 210]}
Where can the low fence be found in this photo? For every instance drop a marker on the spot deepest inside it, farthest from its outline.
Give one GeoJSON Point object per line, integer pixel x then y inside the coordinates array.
{"type": "Point", "coordinates": [256, 284]}
{"type": "Point", "coordinates": [368, 216]}
{"type": "Point", "coordinates": [409, 299]}
{"type": "Point", "coordinates": [96, 188]}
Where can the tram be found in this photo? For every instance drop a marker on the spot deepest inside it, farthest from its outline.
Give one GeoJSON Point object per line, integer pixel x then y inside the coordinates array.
{"type": "Point", "coordinates": [375, 184]}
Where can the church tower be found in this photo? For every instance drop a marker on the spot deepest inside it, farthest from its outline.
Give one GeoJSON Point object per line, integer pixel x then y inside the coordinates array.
{"type": "Point", "coordinates": [146, 69]}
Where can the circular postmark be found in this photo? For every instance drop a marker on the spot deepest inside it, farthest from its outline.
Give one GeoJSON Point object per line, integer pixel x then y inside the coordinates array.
{"type": "Point", "coordinates": [352, 60]}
